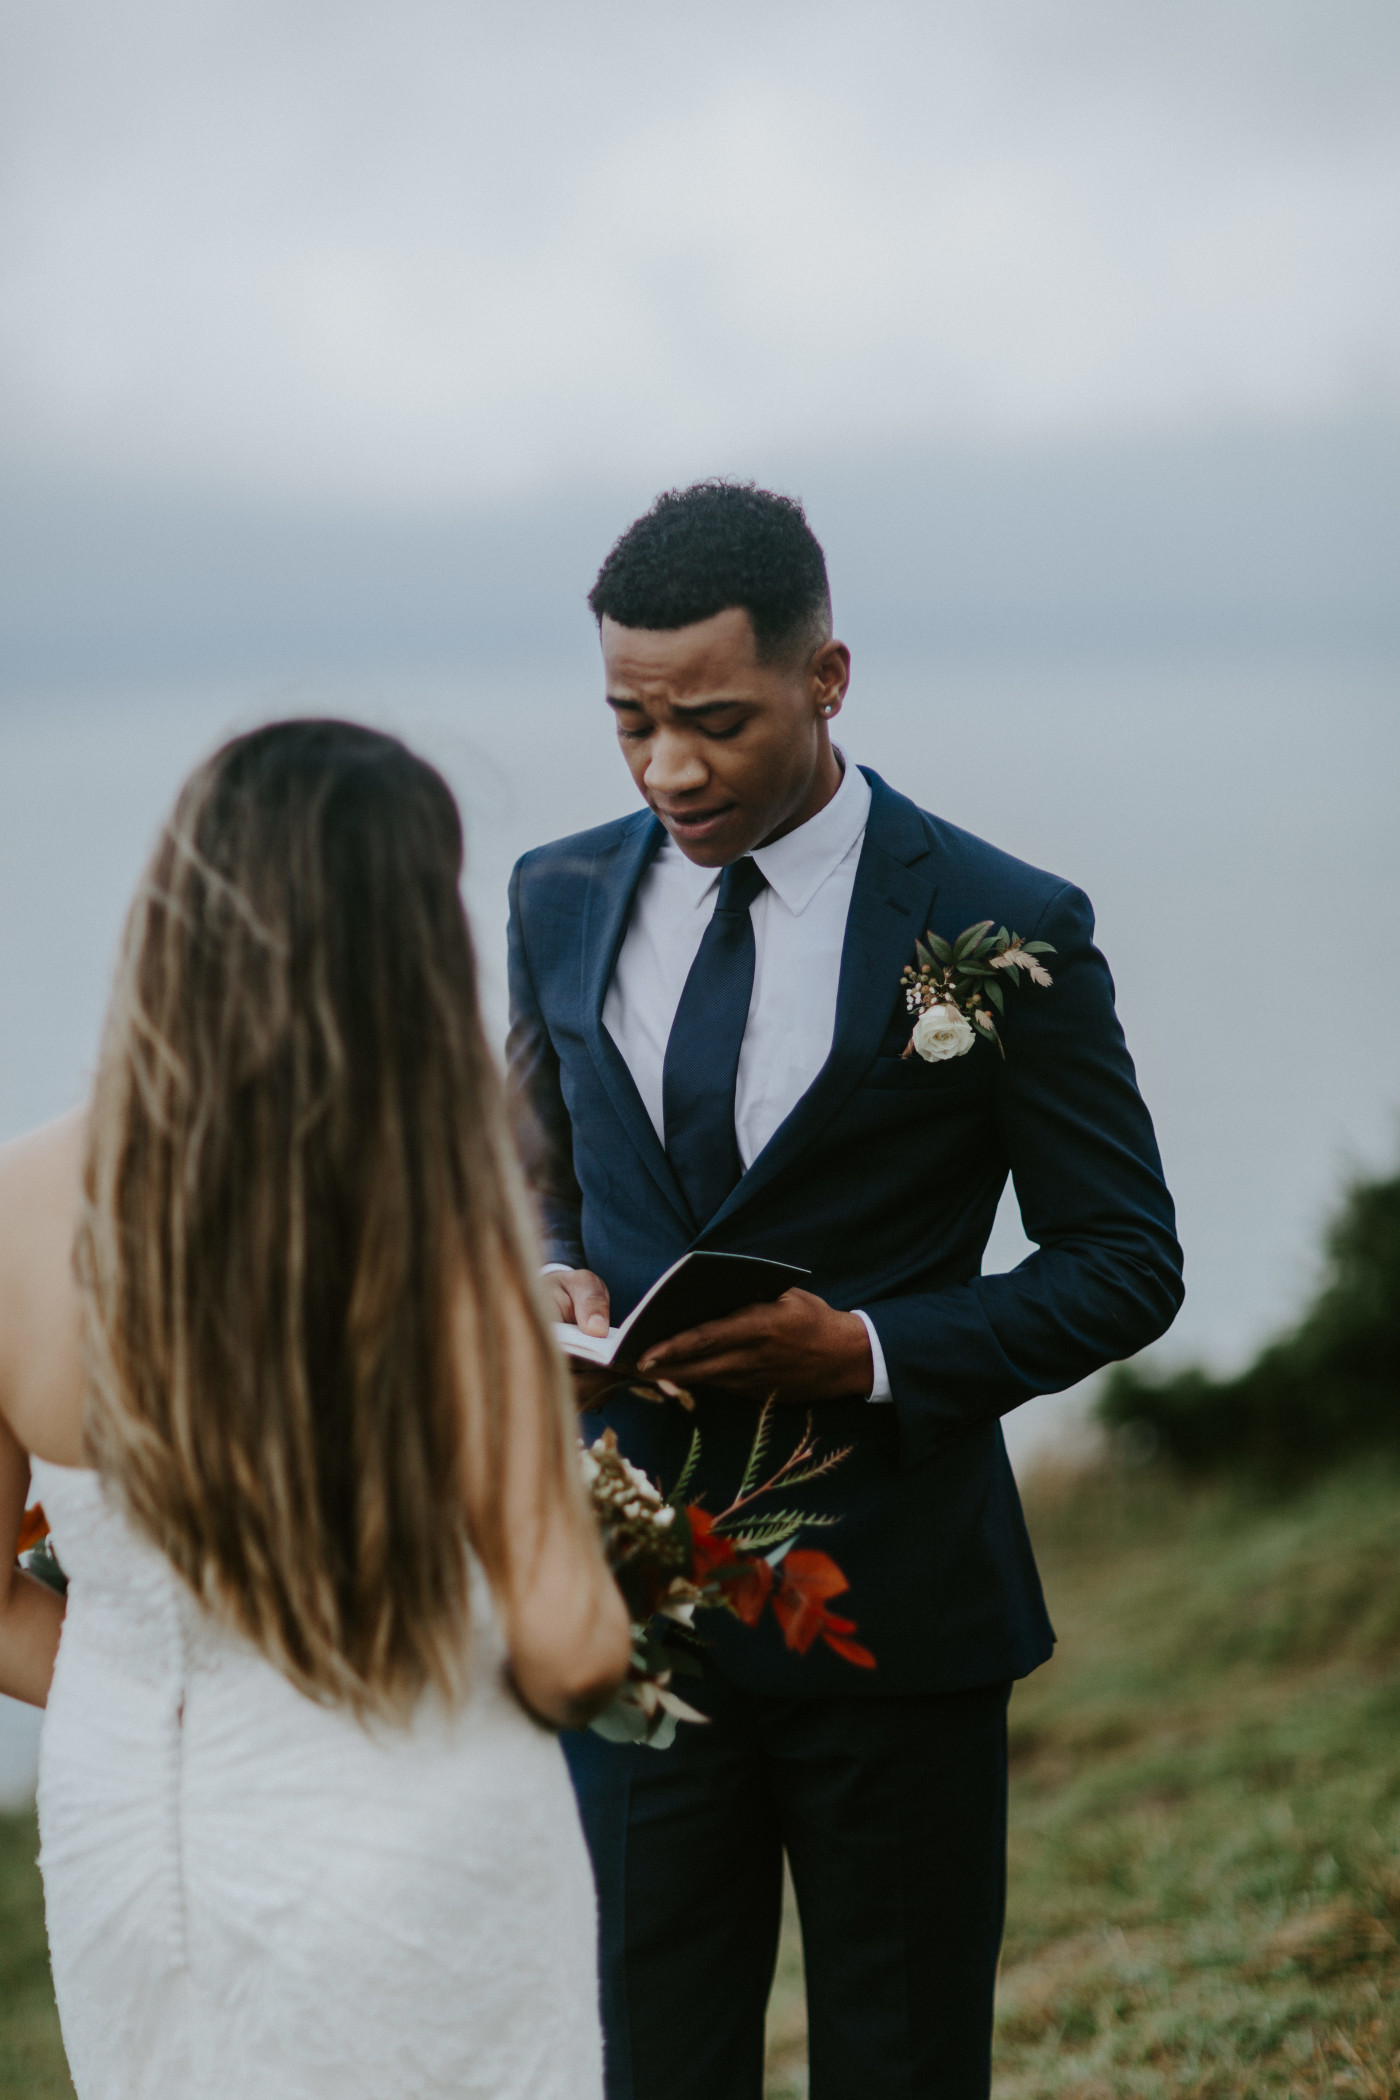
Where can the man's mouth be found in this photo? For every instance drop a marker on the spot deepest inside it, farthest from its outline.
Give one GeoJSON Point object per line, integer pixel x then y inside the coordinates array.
{"type": "Point", "coordinates": [694, 823]}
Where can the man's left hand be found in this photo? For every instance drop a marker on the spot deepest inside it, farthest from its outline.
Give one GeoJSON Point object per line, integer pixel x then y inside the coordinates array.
{"type": "Point", "coordinates": [799, 1348]}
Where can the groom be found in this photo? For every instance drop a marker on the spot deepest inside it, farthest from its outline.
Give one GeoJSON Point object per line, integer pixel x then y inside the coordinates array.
{"type": "Point", "coordinates": [709, 1028]}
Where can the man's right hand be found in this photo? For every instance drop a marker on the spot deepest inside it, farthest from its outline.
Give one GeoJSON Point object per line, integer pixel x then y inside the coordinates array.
{"type": "Point", "coordinates": [580, 1299]}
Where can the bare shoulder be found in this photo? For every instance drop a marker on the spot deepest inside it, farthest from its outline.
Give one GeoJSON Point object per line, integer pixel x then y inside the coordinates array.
{"type": "Point", "coordinates": [40, 1355]}
{"type": "Point", "coordinates": [40, 1190]}
{"type": "Point", "coordinates": [51, 1154]}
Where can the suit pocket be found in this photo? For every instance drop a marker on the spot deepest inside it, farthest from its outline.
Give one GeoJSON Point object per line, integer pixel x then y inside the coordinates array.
{"type": "Point", "coordinates": [954, 1077]}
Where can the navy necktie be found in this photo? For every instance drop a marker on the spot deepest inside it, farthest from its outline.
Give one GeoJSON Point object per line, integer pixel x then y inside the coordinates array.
{"type": "Point", "coordinates": [702, 1052]}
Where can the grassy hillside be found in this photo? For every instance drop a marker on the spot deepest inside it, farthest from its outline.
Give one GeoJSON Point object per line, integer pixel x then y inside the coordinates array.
{"type": "Point", "coordinates": [31, 2055]}
{"type": "Point", "coordinates": [1205, 1897]}
{"type": "Point", "coordinates": [1205, 1849]}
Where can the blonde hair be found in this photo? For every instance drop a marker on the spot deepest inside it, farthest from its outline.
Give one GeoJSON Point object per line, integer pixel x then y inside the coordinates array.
{"type": "Point", "coordinates": [298, 1179]}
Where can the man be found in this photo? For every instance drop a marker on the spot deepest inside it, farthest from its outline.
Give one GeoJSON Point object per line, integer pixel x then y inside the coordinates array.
{"type": "Point", "coordinates": [710, 1026]}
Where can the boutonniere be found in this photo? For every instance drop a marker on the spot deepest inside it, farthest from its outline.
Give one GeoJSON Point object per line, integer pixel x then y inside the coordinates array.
{"type": "Point", "coordinates": [956, 984]}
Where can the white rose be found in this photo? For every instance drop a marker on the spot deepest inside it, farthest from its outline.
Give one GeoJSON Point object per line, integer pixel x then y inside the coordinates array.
{"type": "Point", "coordinates": [941, 1031]}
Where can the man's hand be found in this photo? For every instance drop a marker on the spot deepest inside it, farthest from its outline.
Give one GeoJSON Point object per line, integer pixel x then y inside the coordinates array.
{"type": "Point", "coordinates": [580, 1299]}
{"type": "Point", "coordinates": [798, 1348]}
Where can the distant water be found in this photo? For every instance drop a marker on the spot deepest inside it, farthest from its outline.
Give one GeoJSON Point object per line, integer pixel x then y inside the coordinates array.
{"type": "Point", "coordinates": [1234, 821]}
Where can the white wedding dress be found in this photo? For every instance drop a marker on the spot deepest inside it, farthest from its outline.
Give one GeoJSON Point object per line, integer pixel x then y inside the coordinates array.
{"type": "Point", "coordinates": [252, 1897]}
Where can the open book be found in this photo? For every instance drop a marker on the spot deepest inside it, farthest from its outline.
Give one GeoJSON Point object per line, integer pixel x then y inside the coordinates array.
{"type": "Point", "coordinates": [700, 1286]}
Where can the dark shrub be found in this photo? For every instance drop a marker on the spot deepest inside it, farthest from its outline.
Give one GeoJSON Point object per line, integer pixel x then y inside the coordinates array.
{"type": "Point", "coordinates": [1329, 1387]}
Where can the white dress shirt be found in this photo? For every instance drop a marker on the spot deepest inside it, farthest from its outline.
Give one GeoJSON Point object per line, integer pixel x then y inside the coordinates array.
{"type": "Point", "coordinates": [799, 925]}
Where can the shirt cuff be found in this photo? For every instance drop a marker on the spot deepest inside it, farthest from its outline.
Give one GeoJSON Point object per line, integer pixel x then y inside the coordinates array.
{"type": "Point", "coordinates": [880, 1389]}
{"type": "Point", "coordinates": [555, 1268]}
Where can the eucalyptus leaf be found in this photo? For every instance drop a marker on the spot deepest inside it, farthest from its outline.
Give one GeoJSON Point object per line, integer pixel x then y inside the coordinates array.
{"type": "Point", "coordinates": [622, 1723]}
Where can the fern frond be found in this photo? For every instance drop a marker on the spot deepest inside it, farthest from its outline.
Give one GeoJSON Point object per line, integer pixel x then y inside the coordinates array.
{"type": "Point", "coordinates": [687, 1472]}
{"type": "Point", "coordinates": [759, 1451]}
{"type": "Point", "coordinates": [822, 1466]}
{"type": "Point", "coordinates": [785, 1524]}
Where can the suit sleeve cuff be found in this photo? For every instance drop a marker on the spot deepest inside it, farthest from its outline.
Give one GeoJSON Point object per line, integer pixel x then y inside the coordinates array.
{"type": "Point", "coordinates": [880, 1388]}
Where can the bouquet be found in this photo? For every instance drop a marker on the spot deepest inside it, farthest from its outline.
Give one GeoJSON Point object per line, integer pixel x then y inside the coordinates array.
{"type": "Point", "coordinates": [34, 1551]}
{"type": "Point", "coordinates": [672, 1558]}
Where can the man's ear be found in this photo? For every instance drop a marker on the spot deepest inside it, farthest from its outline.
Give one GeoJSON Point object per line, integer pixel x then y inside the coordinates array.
{"type": "Point", "coordinates": [828, 675]}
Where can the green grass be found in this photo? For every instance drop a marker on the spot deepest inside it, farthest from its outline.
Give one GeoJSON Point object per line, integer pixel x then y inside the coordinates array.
{"type": "Point", "coordinates": [32, 2065]}
{"type": "Point", "coordinates": [1205, 1841]}
{"type": "Point", "coordinates": [1205, 1826]}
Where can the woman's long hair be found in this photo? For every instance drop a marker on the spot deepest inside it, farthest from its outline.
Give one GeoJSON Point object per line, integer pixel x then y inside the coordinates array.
{"type": "Point", "coordinates": [298, 1179]}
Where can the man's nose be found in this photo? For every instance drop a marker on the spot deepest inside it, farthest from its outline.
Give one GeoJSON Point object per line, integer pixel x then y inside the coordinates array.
{"type": "Point", "coordinates": [675, 767]}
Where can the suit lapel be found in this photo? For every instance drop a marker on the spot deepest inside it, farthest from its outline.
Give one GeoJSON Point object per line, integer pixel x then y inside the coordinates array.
{"type": "Point", "coordinates": [612, 885]}
{"type": "Point", "coordinates": [891, 904]}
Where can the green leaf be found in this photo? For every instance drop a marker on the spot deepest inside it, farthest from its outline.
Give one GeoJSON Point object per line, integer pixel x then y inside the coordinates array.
{"type": "Point", "coordinates": [925, 959]}
{"type": "Point", "coordinates": [765, 1532]}
{"type": "Point", "coordinates": [940, 947]}
{"type": "Point", "coordinates": [756, 1455]}
{"type": "Point", "coordinates": [687, 1474]}
{"type": "Point", "coordinates": [994, 993]}
{"type": "Point", "coordinates": [968, 939]}
{"type": "Point", "coordinates": [771, 1531]}
{"type": "Point", "coordinates": [1039, 948]}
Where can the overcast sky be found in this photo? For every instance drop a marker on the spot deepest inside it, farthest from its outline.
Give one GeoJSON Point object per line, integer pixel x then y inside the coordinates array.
{"type": "Point", "coordinates": [339, 337]}
{"type": "Point", "coordinates": [433, 252]}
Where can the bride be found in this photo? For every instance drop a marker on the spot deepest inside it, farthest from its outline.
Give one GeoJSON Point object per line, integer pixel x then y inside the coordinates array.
{"type": "Point", "coordinates": [271, 1349]}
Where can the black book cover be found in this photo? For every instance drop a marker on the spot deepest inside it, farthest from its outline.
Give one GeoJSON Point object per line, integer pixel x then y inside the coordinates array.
{"type": "Point", "coordinates": [701, 1286]}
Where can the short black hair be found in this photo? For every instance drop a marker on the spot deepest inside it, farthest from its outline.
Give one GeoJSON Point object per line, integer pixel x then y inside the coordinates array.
{"type": "Point", "coordinates": [717, 544]}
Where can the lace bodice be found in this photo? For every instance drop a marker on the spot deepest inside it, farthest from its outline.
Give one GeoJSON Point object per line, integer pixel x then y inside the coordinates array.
{"type": "Point", "coordinates": [249, 1892]}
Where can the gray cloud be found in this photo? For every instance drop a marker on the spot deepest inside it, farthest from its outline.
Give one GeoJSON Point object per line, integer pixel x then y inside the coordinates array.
{"type": "Point", "coordinates": [1233, 538]}
{"type": "Point", "coordinates": [426, 254]}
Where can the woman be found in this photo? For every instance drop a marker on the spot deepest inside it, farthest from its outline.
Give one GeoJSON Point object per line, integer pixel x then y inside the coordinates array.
{"type": "Point", "coordinates": [269, 1336]}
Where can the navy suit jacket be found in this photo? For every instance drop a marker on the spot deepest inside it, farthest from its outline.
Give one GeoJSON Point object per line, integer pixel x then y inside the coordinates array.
{"type": "Point", "coordinates": [884, 1182]}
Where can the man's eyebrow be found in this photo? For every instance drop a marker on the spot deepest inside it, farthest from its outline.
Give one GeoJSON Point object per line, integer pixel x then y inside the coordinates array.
{"type": "Point", "coordinates": [701, 707]}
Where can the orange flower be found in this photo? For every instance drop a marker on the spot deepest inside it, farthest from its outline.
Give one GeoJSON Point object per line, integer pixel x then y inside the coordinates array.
{"type": "Point", "coordinates": [748, 1592]}
{"type": "Point", "coordinates": [809, 1578]}
{"type": "Point", "coordinates": [34, 1528]}
{"type": "Point", "coordinates": [712, 1552]}
{"type": "Point", "coordinates": [746, 1582]}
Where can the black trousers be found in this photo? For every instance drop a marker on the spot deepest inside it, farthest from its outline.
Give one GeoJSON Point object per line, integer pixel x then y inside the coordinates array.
{"type": "Point", "coordinates": [892, 1812]}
